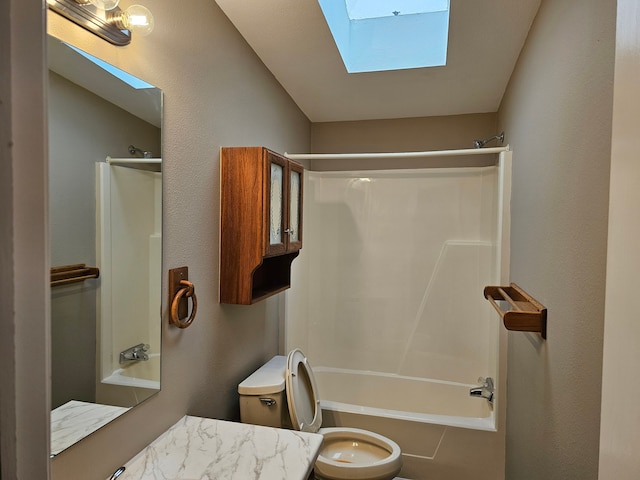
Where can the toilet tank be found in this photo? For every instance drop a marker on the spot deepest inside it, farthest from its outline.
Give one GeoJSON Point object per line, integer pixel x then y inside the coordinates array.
{"type": "Point", "coordinates": [263, 400]}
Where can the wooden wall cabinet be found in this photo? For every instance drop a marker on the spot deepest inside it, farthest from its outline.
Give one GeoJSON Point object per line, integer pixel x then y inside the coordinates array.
{"type": "Point", "coordinates": [260, 223]}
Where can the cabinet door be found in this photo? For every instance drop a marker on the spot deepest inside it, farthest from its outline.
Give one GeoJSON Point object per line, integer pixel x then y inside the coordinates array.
{"type": "Point", "coordinates": [294, 226]}
{"type": "Point", "coordinates": [276, 197]}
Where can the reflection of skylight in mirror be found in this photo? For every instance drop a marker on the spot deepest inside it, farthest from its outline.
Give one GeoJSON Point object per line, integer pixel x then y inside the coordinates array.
{"type": "Point", "coordinates": [374, 35]}
{"type": "Point", "coordinates": [116, 72]}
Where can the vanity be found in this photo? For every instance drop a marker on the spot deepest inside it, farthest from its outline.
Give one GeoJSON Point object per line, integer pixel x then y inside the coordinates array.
{"type": "Point", "coordinates": [199, 448]}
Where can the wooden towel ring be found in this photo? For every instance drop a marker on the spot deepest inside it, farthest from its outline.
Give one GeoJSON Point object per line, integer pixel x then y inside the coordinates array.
{"type": "Point", "coordinates": [188, 291]}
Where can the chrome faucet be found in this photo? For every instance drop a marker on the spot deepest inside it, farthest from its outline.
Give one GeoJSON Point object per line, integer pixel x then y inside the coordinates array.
{"type": "Point", "coordinates": [139, 352]}
{"type": "Point", "coordinates": [486, 390]}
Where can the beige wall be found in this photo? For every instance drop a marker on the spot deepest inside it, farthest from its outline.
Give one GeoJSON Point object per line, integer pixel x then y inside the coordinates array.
{"type": "Point", "coordinates": [216, 92]}
{"type": "Point", "coordinates": [619, 433]}
{"type": "Point", "coordinates": [557, 117]}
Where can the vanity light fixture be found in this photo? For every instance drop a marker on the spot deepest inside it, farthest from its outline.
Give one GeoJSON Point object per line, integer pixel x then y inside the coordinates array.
{"type": "Point", "coordinates": [105, 19]}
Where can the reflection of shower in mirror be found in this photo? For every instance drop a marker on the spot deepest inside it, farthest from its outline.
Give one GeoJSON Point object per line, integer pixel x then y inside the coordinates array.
{"type": "Point", "coordinates": [133, 150]}
{"type": "Point", "coordinates": [129, 250]}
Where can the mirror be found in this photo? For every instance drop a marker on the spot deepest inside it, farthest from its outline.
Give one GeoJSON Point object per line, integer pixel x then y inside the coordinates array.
{"type": "Point", "coordinates": [105, 200]}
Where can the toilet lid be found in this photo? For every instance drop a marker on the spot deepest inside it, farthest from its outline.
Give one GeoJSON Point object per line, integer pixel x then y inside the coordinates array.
{"type": "Point", "coordinates": [302, 393]}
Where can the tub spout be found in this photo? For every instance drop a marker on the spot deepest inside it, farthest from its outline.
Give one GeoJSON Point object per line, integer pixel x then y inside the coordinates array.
{"type": "Point", "coordinates": [486, 390]}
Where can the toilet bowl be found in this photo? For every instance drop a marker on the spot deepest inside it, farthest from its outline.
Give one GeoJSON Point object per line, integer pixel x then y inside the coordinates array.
{"type": "Point", "coordinates": [283, 393]}
{"type": "Point", "coordinates": [356, 454]}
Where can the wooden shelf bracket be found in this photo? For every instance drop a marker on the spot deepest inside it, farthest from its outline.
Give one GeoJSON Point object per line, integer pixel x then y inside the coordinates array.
{"type": "Point", "coordinates": [526, 313]}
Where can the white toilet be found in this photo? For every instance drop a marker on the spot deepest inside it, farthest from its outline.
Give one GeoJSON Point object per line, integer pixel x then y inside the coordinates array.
{"type": "Point", "coordinates": [283, 393]}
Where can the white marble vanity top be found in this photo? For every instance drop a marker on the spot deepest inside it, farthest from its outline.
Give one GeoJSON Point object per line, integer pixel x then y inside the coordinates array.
{"type": "Point", "coordinates": [207, 449]}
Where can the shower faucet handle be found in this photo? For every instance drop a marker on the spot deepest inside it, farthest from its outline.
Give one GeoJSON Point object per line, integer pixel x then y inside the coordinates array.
{"type": "Point", "coordinates": [486, 382]}
{"type": "Point", "coordinates": [138, 352]}
{"type": "Point", "coordinates": [485, 390]}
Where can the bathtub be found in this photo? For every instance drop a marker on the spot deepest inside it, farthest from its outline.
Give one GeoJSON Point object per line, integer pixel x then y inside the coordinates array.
{"type": "Point", "coordinates": [422, 400]}
{"type": "Point", "coordinates": [429, 419]}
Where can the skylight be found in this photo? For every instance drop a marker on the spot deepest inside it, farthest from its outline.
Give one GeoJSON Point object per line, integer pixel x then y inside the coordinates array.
{"type": "Point", "coordinates": [375, 35]}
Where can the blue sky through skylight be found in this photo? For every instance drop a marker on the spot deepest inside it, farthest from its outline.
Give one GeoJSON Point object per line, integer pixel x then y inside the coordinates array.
{"type": "Point", "coordinates": [374, 35]}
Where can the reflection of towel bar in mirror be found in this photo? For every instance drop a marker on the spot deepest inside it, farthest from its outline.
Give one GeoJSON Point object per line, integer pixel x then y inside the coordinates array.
{"type": "Point", "coordinates": [72, 273]}
{"type": "Point", "coordinates": [526, 315]}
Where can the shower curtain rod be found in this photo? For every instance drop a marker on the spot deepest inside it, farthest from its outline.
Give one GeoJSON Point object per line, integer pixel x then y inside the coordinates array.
{"type": "Point", "coordinates": [433, 153]}
{"type": "Point", "coordinates": [126, 161]}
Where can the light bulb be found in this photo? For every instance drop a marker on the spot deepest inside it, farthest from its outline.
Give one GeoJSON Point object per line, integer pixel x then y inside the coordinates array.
{"type": "Point", "coordinates": [138, 19]}
{"type": "Point", "coordinates": [105, 4]}
{"type": "Point", "coordinates": [102, 4]}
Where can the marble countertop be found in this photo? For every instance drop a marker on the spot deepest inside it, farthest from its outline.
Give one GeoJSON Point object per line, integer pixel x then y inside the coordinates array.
{"type": "Point", "coordinates": [75, 420]}
{"type": "Point", "coordinates": [203, 448]}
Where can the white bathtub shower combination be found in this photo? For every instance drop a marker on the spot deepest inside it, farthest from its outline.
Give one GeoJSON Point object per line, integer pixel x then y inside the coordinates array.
{"type": "Point", "coordinates": [387, 303]}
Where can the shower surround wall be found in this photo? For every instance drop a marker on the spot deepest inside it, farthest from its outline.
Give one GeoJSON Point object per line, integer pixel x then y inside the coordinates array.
{"type": "Point", "coordinates": [390, 281]}
{"type": "Point", "coordinates": [397, 261]}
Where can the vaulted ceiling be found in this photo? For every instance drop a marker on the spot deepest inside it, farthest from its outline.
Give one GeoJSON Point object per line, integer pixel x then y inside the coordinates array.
{"type": "Point", "coordinates": [293, 40]}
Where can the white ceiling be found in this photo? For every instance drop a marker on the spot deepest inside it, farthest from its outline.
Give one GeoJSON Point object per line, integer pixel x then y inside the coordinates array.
{"type": "Point", "coordinates": [293, 40]}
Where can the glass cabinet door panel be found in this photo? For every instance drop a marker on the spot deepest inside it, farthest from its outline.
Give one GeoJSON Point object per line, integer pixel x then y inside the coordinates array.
{"type": "Point", "coordinates": [294, 207]}
{"type": "Point", "coordinates": [275, 209]}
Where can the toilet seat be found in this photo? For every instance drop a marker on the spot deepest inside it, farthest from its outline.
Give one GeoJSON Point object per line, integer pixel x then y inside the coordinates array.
{"type": "Point", "coordinates": [302, 393]}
